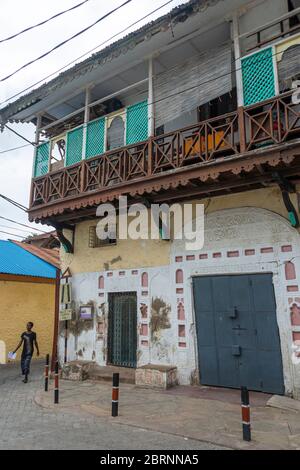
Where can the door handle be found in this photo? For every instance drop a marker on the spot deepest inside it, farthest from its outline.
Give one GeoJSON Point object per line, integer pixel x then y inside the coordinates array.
{"type": "Point", "coordinates": [234, 313]}
{"type": "Point", "coordinates": [236, 350]}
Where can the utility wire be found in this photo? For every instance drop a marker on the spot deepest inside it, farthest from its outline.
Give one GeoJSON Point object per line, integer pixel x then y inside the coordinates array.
{"type": "Point", "coordinates": [13, 234]}
{"type": "Point", "coordinates": [15, 148]}
{"type": "Point", "coordinates": [14, 203]}
{"type": "Point", "coordinates": [19, 135]}
{"type": "Point", "coordinates": [17, 228]}
{"type": "Point", "coordinates": [43, 22]}
{"type": "Point", "coordinates": [45, 54]}
{"type": "Point", "coordinates": [86, 53]}
{"type": "Point", "coordinates": [23, 225]}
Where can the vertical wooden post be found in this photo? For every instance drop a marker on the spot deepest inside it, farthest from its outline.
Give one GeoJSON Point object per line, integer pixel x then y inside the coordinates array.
{"type": "Point", "coordinates": [150, 156]}
{"type": "Point", "coordinates": [242, 129]}
{"type": "Point", "coordinates": [86, 118]}
{"type": "Point", "coordinates": [237, 56]}
{"type": "Point", "coordinates": [151, 115]}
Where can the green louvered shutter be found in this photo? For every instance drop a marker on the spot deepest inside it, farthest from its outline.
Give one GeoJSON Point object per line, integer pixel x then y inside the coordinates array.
{"type": "Point", "coordinates": [74, 146]}
{"type": "Point", "coordinates": [137, 123]}
{"type": "Point", "coordinates": [41, 166]}
{"type": "Point", "coordinates": [258, 77]}
{"type": "Point", "coordinates": [95, 132]}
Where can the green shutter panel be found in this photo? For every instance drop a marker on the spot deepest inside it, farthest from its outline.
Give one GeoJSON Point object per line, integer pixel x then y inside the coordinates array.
{"type": "Point", "coordinates": [137, 123]}
{"type": "Point", "coordinates": [95, 132]}
{"type": "Point", "coordinates": [258, 77]}
{"type": "Point", "coordinates": [74, 146]}
{"type": "Point", "coordinates": [41, 165]}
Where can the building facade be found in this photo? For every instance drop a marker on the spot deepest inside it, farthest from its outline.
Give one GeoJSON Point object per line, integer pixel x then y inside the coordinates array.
{"type": "Point", "coordinates": [27, 290]}
{"type": "Point", "coordinates": [200, 106]}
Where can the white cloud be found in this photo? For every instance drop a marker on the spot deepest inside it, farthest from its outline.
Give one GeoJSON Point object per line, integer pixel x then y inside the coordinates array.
{"type": "Point", "coordinates": [16, 167]}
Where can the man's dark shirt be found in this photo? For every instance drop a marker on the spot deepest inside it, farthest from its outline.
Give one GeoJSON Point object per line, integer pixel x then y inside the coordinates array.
{"type": "Point", "coordinates": [28, 338]}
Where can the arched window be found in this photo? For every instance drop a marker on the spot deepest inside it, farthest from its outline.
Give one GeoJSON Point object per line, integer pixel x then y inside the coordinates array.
{"type": "Point", "coordinates": [101, 282]}
{"type": "Point", "coordinates": [144, 280]}
{"type": "Point", "coordinates": [179, 276]}
{"type": "Point", "coordinates": [116, 133]}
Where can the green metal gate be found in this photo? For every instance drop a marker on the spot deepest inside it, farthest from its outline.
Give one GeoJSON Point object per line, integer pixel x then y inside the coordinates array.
{"type": "Point", "coordinates": [122, 329]}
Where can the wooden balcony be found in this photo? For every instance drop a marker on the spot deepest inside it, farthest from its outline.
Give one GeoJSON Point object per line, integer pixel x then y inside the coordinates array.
{"type": "Point", "coordinates": [236, 151]}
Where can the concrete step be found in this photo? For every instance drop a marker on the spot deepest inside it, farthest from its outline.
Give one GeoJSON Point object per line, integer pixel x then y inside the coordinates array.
{"type": "Point", "coordinates": [105, 373]}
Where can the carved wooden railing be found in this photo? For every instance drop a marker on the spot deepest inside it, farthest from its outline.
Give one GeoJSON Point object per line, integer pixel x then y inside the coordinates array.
{"type": "Point", "coordinates": [267, 123]}
{"type": "Point", "coordinates": [115, 167]}
{"type": "Point", "coordinates": [197, 144]}
{"type": "Point", "coordinates": [271, 122]}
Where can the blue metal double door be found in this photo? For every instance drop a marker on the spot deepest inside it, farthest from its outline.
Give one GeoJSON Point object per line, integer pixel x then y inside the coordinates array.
{"type": "Point", "coordinates": [237, 332]}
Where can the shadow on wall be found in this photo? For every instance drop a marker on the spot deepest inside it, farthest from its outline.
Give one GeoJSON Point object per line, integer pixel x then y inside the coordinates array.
{"type": "Point", "coordinates": [2, 353]}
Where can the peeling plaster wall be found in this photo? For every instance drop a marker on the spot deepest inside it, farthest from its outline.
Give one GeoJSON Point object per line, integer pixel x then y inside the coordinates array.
{"type": "Point", "coordinates": [247, 239]}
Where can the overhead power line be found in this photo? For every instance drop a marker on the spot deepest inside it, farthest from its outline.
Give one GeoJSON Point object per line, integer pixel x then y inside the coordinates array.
{"type": "Point", "coordinates": [19, 135]}
{"type": "Point", "coordinates": [45, 54]}
{"type": "Point", "coordinates": [17, 228]}
{"type": "Point", "coordinates": [12, 234]}
{"type": "Point", "coordinates": [43, 22]}
{"type": "Point", "coordinates": [23, 225]}
{"type": "Point", "coordinates": [14, 203]}
{"type": "Point", "coordinates": [15, 148]}
{"type": "Point", "coordinates": [86, 53]}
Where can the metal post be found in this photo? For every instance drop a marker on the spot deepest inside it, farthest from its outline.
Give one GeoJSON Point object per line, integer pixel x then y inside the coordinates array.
{"type": "Point", "coordinates": [115, 395]}
{"type": "Point", "coordinates": [56, 391]}
{"type": "Point", "coordinates": [246, 414]}
{"type": "Point", "coordinates": [47, 373]}
{"type": "Point", "coordinates": [56, 319]}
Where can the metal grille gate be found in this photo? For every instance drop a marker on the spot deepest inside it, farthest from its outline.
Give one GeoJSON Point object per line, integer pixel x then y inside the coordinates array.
{"type": "Point", "coordinates": [122, 329]}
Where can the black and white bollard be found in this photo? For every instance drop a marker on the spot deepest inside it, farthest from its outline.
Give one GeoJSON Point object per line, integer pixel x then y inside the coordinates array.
{"type": "Point", "coordinates": [115, 395]}
{"type": "Point", "coordinates": [47, 373]}
{"type": "Point", "coordinates": [246, 414]}
{"type": "Point", "coordinates": [56, 389]}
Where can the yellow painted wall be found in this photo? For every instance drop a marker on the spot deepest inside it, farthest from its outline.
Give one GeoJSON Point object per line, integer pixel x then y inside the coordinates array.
{"type": "Point", "coordinates": [149, 253]}
{"type": "Point", "coordinates": [22, 302]}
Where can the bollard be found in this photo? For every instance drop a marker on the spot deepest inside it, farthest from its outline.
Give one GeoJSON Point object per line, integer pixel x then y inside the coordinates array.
{"type": "Point", "coordinates": [246, 414]}
{"type": "Point", "coordinates": [56, 391]}
{"type": "Point", "coordinates": [115, 395]}
{"type": "Point", "coordinates": [47, 373]}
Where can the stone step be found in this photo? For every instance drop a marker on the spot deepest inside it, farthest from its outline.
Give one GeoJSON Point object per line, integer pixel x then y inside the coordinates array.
{"type": "Point", "coordinates": [105, 373]}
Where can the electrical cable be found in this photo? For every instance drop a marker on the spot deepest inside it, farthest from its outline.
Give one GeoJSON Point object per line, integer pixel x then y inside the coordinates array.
{"type": "Point", "coordinates": [43, 22]}
{"type": "Point", "coordinates": [86, 53]}
{"type": "Point", "coordinates": [79, 33]}
{"type": "Point", "coordinates": [14, 203]}
{"type": "Point", "coordinates": [12, 234]}
{"type": "Point", "coordinates": [23, 225]}
{"type": "Point", "coordinates": [15, 148]}
{"type": "Point", "coordinates": [16, 228]}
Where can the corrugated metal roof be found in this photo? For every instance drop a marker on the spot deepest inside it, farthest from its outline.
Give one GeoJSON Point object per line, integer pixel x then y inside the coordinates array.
{"type": "Point", "coordinates": [15, 260]}
{"type": "Point", "coordinates": [51, 256]}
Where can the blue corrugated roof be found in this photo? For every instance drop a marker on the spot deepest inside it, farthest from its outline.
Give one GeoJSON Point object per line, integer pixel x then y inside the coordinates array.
{"type": "Point", "coordinates": [15, 260]}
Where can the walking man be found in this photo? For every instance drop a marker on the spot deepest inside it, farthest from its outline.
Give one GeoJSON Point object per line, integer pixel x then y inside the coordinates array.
{"type": "Point", "coordinates": [28, 339]}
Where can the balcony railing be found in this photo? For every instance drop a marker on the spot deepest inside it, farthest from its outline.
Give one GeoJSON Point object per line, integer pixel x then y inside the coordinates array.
{"type": "Point", "coordinates": [275, 121]}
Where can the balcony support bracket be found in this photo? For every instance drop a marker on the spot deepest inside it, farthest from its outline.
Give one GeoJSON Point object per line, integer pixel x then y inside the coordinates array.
{"type": "Point", "coordinates": [65, 242]}
{"type": "Point", "coordinates": [287, 188]}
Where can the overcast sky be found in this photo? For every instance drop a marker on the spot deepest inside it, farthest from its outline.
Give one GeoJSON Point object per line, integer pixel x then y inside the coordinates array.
{"type": "Point", "coordinates": [15, 15]}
